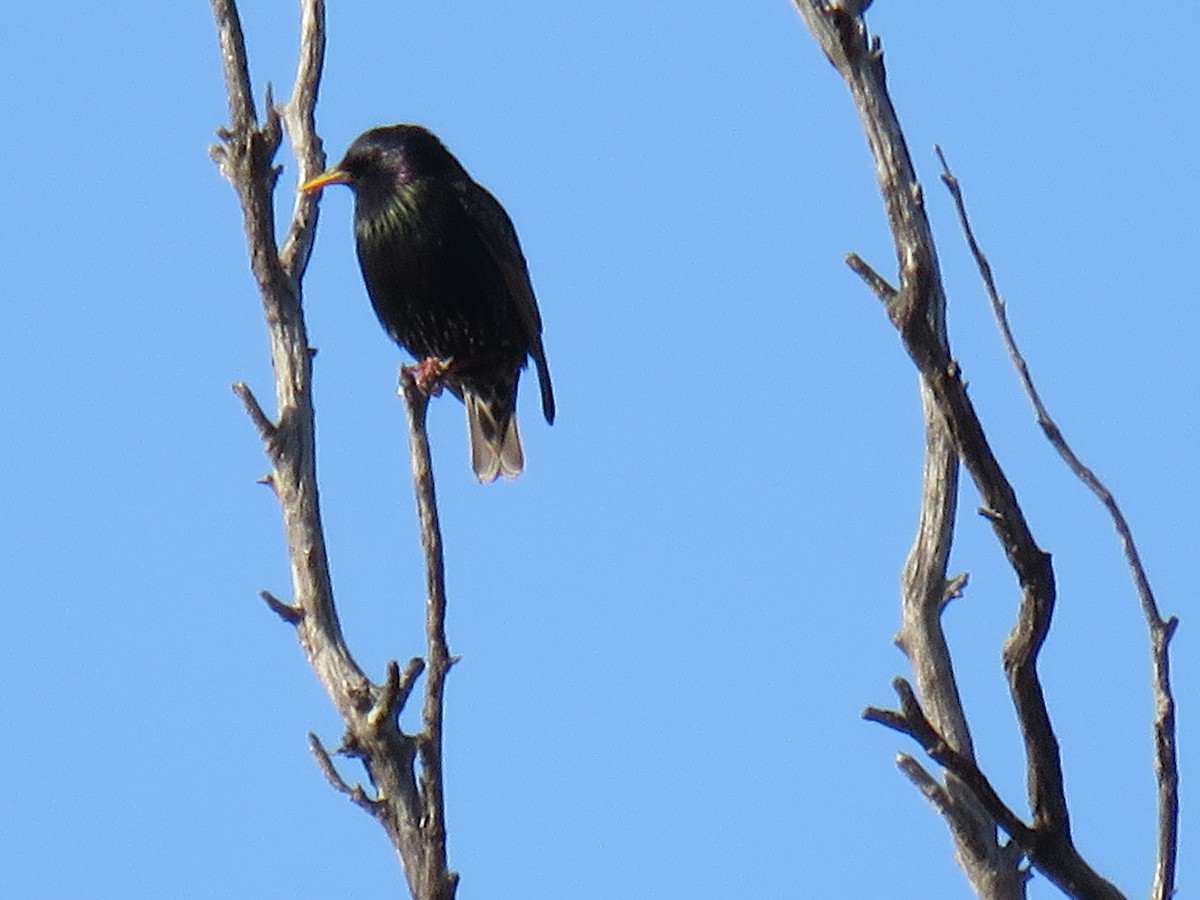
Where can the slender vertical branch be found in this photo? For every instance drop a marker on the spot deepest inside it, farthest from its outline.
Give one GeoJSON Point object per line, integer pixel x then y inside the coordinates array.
{"type": "Point", "coordinates": [299, 118]}
{"type": "Point", "coordinates": [1161, 630]}
{"type": "Point", "coordinates": [242, 115]}
{"type": "Point", "coordinates": [429, 744]}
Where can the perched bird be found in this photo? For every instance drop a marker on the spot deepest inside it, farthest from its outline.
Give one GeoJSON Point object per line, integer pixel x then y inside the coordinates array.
{"type": "Point", "coordinates": [448, 281]}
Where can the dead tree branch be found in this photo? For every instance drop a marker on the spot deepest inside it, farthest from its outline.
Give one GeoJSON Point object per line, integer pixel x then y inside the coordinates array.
{"type": "Point", "coordinates": [1161, 630]}
{"type": "Point", "coordinates": [917, 310]}
{"type": "Point", "coordinates": [991, 867]}
{"type": "Point", "coordinates": [412, 814]}
{"type": "Point", "coordinates": [429, 741]}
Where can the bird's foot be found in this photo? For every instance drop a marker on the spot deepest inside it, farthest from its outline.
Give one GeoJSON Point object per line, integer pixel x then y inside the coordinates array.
{"type": "Point", "coordinates": [430, 373]}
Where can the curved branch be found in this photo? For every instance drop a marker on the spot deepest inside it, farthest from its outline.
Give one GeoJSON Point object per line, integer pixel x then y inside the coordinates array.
{"type": "Point", "coordinates": [1161, 630]}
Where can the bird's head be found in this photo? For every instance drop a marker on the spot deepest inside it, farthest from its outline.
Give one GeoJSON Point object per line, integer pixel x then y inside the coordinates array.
{"type": "Point", "coordinates": [387, 159]}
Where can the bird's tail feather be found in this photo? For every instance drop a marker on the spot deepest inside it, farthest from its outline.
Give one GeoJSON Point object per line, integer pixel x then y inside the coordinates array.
{"type": "Point", "coordinates": [495, 449]}
{"type": "Point", "coordinates": [543, 372]}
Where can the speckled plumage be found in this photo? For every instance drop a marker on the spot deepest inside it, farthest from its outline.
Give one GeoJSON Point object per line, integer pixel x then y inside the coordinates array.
{"type": "Point", "coordinates": [447, 278]}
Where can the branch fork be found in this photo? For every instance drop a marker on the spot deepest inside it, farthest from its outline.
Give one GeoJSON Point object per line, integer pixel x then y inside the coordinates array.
{"type": "Point", "coordinates": [409, 807]}
{"type": "Point", "coordinates": [954, 434]}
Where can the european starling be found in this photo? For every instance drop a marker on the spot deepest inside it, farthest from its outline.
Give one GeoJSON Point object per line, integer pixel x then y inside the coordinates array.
{"type": "Point", "coordinates": [447, 278]}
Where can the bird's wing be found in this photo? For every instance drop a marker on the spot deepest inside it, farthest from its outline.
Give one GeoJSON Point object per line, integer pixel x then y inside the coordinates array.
{"type": "Point", "coordinates": [496, 230]}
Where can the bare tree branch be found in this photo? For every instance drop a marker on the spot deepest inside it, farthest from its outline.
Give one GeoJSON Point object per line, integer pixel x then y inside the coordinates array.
{"type": "Point", "coordinates": [911, 720]}
{"type": "Point", "coordinates": [876, 282]}
{"type": "Point", "coordinates": [991, 867]}
{"type": "Point", "coordinates": [429, 741]}
{"type": "Point", "coordinates": [1074, 876]}
{"type": "Point", "coordinates": [287, 612]}
{"type": "Point", "coordinates": [918, 312]}
{"type": "Point", "coordinates": [1161, 630]}
{"type": "Point", "coordinates": [411, 813]}
{"type": "Point", "coordinates": [246, 158]}
{"type": "Point", "coordinates": [299, 118]}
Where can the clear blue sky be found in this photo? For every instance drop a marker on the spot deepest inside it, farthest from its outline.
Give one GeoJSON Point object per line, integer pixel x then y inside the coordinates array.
{"type": "Point", "coordinates": [670, 624]}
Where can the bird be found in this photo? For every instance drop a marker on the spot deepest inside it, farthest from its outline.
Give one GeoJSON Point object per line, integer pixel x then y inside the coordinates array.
{"type": "Point", "coordinates": [447, 279]}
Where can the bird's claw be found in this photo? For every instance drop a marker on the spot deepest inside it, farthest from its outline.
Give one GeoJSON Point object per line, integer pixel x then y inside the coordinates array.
{"type": "Point", "coordinates": [430, 373]}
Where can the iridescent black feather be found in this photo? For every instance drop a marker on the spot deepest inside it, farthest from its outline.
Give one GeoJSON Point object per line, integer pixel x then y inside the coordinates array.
{"type": "Point", "coordinates": [447, 278]}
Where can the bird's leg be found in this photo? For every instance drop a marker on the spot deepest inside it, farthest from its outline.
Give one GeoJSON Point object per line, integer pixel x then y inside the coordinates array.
{"type": "Point", "coordinates": [429, 374]}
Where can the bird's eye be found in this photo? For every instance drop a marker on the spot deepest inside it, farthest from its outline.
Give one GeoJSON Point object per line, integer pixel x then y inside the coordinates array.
{"type": "Point", "coordinates": [370, 161]}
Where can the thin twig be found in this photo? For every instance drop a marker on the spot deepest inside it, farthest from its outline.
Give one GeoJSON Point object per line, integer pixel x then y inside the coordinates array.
{"type": "Point", "coordinates": [1161, 630]}
{"type": "Point", "coordinates": [876, 282]}
{"type": "Point", "coordinates": [290, 614]}
{"type": "Point", "coordinates": [266, 428]}
{"type": "Point", "coordinates": [336, 781]}
{"type": "Point", "coordinates": [934, 791]}
{"type": "Point", "coordinates": [396, 690]}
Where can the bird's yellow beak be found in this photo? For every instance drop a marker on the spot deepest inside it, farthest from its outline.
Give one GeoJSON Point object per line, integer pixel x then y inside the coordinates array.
{"type": "Point", "coordinates": [331, 176]}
